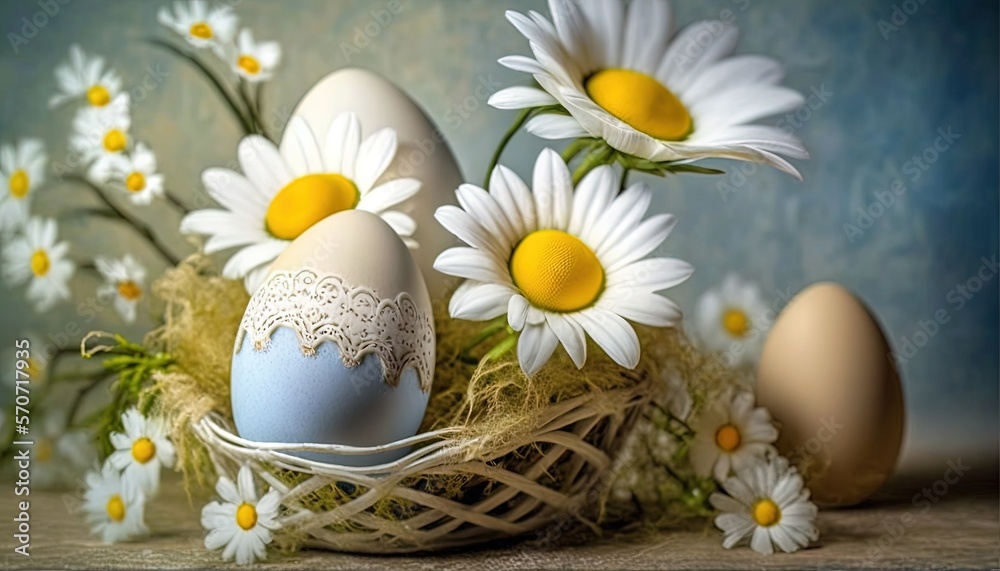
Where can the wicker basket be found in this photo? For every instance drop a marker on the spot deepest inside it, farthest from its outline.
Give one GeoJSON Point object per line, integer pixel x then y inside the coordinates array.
{"type": "Point", "coordinates": [511, 491]}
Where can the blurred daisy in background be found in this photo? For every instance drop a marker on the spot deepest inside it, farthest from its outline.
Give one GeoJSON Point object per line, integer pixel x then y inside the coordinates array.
{"type": "Point", "coordinates": [732, 434]}
{"type": "Point", "coordinates": [254, 61]}
{"type": "Point", "coordinates": [142, 450]}
{"type": "Point", "coordinates": [102, 133]}
{"type": "Point", "coordinates": [38, 259]}
{"type": "Point", "coordinates": [200, 26]}
{"type": "Point", "coordinates": [22, 170]}
{"type": "Point", "coordinates": [84, 78]}
{"type": "Point", "coordinates": [124, 280]}
{"type": "Point", "coordinates": [133, 174]}
{"type": "Point", "coordinates": [561, 262]}
{"type": "Point", "coordinates": [732, 318]}
{"type": "Point", "coordinates": [36, 365]}
{"type": "Point", "coordinates": [60, 457]}
{"type": "Point", "coordinates": [767, 501]}
{"type": "Point", "coordinates": [284, 191]}
{"type": "Point", "coordinates": [617, 73]}
{"type": "Point", "coordinates": [241, 525]}
{"type": "Point", "coordinates": [114, 506]}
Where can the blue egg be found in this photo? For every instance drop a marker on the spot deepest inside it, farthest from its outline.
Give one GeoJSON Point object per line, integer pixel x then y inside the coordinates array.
{"type": "Point", "coordinates": [280, 394]}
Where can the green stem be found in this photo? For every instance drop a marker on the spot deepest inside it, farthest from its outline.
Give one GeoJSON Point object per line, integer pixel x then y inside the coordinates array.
{"type": "Point", "coordinates": [502, 347]}
{"type": "Point", "coordinates": [574, 148]}
{"type": "Point", "coordinates": [213, 78]}
{"type": "Point", "coordinates": [491, 329]}
{"type": "Point", "coordinates": [522, 117]}
{"type": "Point", "coordinates": [258, 123]}
{"type": "Point", "coordinates": [259, 108]}
{"type": "Point", "coordinates": [80, 394]}
{"type": "Point", "coordinates": [596, 158]}
{"type": "Point", "coordinates": [139, 226]}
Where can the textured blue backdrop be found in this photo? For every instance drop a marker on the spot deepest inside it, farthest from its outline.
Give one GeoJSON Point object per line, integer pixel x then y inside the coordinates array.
{"type": "Point", "coordinates": [888, 90]}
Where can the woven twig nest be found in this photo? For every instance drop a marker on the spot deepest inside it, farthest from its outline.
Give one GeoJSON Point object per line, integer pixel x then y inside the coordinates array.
{"type": "Point", "coordinates": [505, 491]}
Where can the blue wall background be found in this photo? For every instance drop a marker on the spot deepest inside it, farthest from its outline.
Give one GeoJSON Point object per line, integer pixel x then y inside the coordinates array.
{"type": "Point", "coordinates": [889, 93]}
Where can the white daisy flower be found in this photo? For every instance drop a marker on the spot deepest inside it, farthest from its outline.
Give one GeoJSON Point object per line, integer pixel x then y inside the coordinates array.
{"type": "Point", "coordinates": [283, 192]}
{"type": "Point", "coordinates": [133, 174]}
{"type": "Point", "coordinates": [114, 505]}
{"type": "Point", "coordinates": [37, 258]}
{"type": "Point", "coordinates": [59, 456]}
{"type": "Point", "coordinates": [560, 262]}
{"type": "Point", "coordinates": [731, 434]}
{"type": "Point", "coordinates": [621, 79]}
{"type": "Point", "coordinates": [200, 26]}
{"type": "Point", "coordinates": [102, 133]}
{"type": "Point", "coordinates": [22, 170]}
{"type": "Point", "coordinates": [768, 501]}
{"type": "Point", "coordinates": [142, 450]}
{"type": "Point", "coordinates": [123, 282]}
{"type": "Point", "coordinates": [731, 319]}
{"type": "Point", "coordinates": [254, 61]}
{"type": "Point", "coordinates": [241, 525]}
{"type": "Point", "coordinates": [84, 78]}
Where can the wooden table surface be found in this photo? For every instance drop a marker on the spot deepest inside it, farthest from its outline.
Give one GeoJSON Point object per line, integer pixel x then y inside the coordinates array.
{"type": "Point", "coordinates": [896, 530]}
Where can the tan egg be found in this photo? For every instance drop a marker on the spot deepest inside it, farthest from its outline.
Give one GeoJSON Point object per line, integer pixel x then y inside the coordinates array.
{"type": "Point", "coordinates": [829, 379]}
{"type": "Point", "coordinates": [422, 153]}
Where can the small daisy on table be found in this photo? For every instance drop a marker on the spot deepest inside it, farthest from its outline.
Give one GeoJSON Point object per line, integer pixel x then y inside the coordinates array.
{"type": "Point", "coordinates": [241, 524]}
{"type": "Point", "coordinates": [84, 78]}
{"type": "Point", "coordinates": [767, 501]}
{"type": "Point", "coordinates": [114, 505]}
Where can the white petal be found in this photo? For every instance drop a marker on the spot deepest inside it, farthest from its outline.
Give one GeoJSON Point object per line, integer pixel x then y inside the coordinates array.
{"type": "Point", "coordinates": [570, 334]}
{"type": "Point", "coordinates": [263, 165]}
{"type": "Point", "coordinates": [653, 274]}
{"type": "Point", "coordinates": [389, 194]}
{"type": "Point", "coordinates": [593, 194]}
{"type": "Point", "coordinates": [374, 156]}
{"type": "Point", "coordinates": [612, 333]}
{"type": "Point", "coordinates": [647, 31]}
{"type": "Point", "coordinates": [553, 190]}
{"type": "Point", "coordinates": [555, 126]}
{"type": "Point", "coordinates": [761, 541]}
{"type": "Point", "coordinates": [646, 308]}
{"type": "Point", "coordinates": [517, 312]}
{"type": "Point", "coordinates": [521, 97]}
{"type": "Point", "coordinates": [640, 242]}
{"type": "Point", "coordinates": [478, 301]}
{"type": "Point", "coordinates": [340, 150]}
{"type": "Point", "coordinates": [472, 264]}
{"type": "Point", "coordinates": [534, 347]}
{"type": "Point", "coordinates": [300, 149]}
{"type": "Point", "coordinates": [250, 257]}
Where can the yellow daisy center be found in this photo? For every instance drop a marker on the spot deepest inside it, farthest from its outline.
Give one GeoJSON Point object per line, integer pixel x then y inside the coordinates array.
{"type": "Point", "coordinates": [18, 183]}
{"type": "Point", "coordinates": [735, 322]}
{"type": "Point", "coordinates": [115, 141]}
{"type": "Point", "coordinates": [98, 96]}
{"type": "Point", "coordinates": [248, 64]}
{"type": "Point", "coordinates": [766, 513]}
{"type": "Point", "coordinates": [40, 263]}
{"type": "Point", "coordinates": [135, 182]}
{"type": "Point", "coordinates": [727, 438]}
{"type": "Point", "coordinates": [556, 271]}
{"type": "Point", "coordinates": [129, 290]}
{"type": "Point", "coordinates": [640, 101]}
{"type": "Point", "coordinates": [143, 450]}
{"type": "Point", "coordinates": [201, 30]}
{"type": "Point", "coordinates": [307, 200]}
{"type": "Point", "coordinates": [116, 508]}
{"type": "Point", "coordinates": [246, 516]}
{"type": "Point", "coordinates": [43, 450]}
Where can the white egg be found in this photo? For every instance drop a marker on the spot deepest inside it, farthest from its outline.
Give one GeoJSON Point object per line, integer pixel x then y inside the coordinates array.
{"type": "Point", "coordinates": [422, 154]}
{"type": "Point", "coordinates": [337, 346]}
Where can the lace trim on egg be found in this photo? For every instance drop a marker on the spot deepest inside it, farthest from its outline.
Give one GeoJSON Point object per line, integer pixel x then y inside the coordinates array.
{"type": "Point", "coordinates": [326, 308]}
